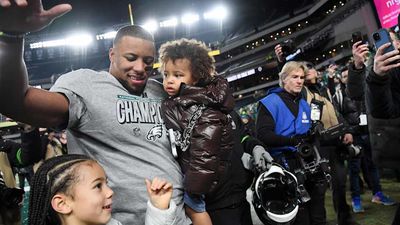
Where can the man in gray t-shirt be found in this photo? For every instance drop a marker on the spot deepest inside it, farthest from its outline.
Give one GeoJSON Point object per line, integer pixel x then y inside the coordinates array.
{"type": "Point", "coordinates": [112, 116]}
{"type": "Point", "coordinates": [124, 132]}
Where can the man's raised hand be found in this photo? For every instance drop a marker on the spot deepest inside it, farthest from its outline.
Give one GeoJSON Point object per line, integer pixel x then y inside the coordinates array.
{"type": "Point", "coordinates": [22, 16]}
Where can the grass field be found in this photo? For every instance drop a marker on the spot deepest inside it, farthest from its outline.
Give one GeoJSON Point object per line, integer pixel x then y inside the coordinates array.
{"type": "Point", "coordinates": [374, 214]}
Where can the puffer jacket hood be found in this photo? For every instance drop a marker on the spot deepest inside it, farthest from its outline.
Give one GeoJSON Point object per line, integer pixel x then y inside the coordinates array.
{"type": "Point", "coordinates": [215, 94]}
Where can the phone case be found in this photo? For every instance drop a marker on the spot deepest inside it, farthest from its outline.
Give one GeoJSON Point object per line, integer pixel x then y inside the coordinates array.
{"type": "Point", "coordinates": [384, 38]}
{"type": "Point", "coordinates": [356, 37]}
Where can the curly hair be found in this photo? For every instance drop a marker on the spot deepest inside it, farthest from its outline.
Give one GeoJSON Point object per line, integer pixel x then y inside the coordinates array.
{"type": "Point", "coordinates": [202, 65]}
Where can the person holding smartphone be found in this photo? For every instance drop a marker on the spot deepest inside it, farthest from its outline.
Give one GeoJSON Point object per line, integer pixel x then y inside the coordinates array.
{"type": "Point", "coordinates": [382, 97]}
{"type": "Point", "coordinates": [383, 81]}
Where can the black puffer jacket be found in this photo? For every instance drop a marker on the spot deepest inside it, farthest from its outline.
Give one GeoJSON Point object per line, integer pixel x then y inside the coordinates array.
{"type": "Point", "coordinates": [350, 109]}
{"type": "Point", "coordinates": [383, 94]}
{"type": "Point", "coordinates": [383, 132]}
{"type": "Point", "coordinates": [207, 158]}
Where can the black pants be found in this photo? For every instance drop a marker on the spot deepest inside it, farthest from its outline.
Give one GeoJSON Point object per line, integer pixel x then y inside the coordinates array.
{"type": "Point", "coordinates": [238, 214]}
{"type": "Point", "coordinates": [339, 177]}
{"type": "Point", "coordinates": [312, 212]}
{"type": "Point", "coordinates": [396, 220]}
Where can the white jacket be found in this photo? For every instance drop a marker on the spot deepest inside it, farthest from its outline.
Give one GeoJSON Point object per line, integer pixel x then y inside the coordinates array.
{"type": "Point", "coordinates": [155, 216]}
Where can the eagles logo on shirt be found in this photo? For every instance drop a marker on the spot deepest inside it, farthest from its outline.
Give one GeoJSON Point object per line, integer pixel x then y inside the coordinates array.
{"type": "Point", "coordinates": [155, 132]}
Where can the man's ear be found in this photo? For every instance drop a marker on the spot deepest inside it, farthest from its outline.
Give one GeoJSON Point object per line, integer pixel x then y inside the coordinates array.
{"type": "Point", "coordinates": [111, 54]}
{"type": "Point", "coordinates": [284, 81]}
{"type": "Point", "coordinates": [60, 204]}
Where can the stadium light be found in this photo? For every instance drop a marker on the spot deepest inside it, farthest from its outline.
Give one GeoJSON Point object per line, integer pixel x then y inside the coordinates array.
{"type": "Point", "coordinates": [47, 44]}
{"type": "Point", "coordinates": [190, 18]}
{"type": "Point", "coordinates": [79, 40]}
{"type": "Point", "coordinates": [108, 35]}
{"type": "Point", "coordinates": [151, 26]}
{"type": "Point", "coordinates": [169, 23]}
{"type": "Point", "coordinates": [218, 13]}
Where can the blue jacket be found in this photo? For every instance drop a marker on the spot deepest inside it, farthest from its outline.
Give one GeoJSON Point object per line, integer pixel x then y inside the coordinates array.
{"type": "Point", "coordinates": [285, 123]}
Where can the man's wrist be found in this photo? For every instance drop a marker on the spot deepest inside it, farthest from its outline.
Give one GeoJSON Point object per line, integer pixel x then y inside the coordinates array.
{"type": "Point", "coordinates": [12, 36]}
{"type": "Point", "coordinates": [358, 66]}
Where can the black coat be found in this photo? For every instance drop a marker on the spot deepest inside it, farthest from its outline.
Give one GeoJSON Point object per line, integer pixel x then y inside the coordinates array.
{"type": "Point", "coordinates": [350, 109]}
{"type": "Point", "coordinates": [383, 132]}
{"type": "Point", "coordinates": [383, 94]}
{"type": "Point", "coordinates": [232, 188]}
{"type": "Point", "coordinates": [211, 143]}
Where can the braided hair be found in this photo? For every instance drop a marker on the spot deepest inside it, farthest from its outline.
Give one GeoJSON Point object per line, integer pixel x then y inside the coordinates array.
{"type": "Point", "coordinates": [55, 175]}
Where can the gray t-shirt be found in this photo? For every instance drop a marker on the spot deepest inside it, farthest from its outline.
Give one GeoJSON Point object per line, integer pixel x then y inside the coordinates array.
{"type": "Point", "coordinates": [125, 134]}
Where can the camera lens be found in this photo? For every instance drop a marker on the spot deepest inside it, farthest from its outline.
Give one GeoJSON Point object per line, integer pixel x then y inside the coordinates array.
{"type": "Point", "coordinates": [305, 150]}
{"type": "Point", "coordinates": [376, 37]}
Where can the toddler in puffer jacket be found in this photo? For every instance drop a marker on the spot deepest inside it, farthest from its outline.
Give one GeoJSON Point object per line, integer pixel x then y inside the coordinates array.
{"type": "Point", "coordinates": [196, 113]}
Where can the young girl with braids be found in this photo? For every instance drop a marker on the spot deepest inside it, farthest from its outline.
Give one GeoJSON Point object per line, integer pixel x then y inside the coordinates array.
{"type": "Point", "coordinates": [72, 190]}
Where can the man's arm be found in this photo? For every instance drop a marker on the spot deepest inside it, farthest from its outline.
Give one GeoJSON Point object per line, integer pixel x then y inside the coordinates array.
{"type": "Point", "coordinates": [356, 77]}
{"type": "Point", "coordinates": [380, 99]}
{"type": "Point", "coordinates": [279, 56]}
{"type": "Point", "coordinates": [248, 142]}
{"type": "Point", "coordinates": [379, 96]}
{"type": "Point", "coordinates": [356, 83]}
{"type": "Point", "coordinates": [252, 146]}
{"type": "Point", "coordinates": [17, 99]}
{"type": "Point", "coordinates": [26, 153]}
{"type": "Point", "coordinates": [265, 126]}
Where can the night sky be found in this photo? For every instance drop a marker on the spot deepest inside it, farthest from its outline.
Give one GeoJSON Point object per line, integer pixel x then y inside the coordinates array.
{"type": "Point", "coordinates": [102, 13]}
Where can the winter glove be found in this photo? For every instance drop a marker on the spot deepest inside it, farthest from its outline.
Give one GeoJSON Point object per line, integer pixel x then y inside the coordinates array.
{"type": "Point", "coordinates": [262, 159]}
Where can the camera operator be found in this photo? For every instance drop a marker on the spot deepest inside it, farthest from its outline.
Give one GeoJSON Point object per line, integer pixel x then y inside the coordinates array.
{"type": "Point", "coordinates": [283, 121]}
{"type": "Point", "coordinates": [13, 154]}
{"type": "Point", "coordinates": [377, 87]}
{"type": "Point", "coordinates": [313, 90]}
{"type": "Point", "coordinates": [330, 118]}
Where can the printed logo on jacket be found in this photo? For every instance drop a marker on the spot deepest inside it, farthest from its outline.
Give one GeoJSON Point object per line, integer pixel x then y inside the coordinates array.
{"type": "Point", "coordinates": [304, 118]}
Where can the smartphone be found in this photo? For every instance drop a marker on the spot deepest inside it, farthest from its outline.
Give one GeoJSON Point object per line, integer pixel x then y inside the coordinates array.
{"type": "Point", "coordinates": [356, 37]}
{"type": "Point", "coordinates": [382, 37]}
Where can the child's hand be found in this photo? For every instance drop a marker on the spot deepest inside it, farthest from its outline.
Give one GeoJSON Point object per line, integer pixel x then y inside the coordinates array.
{"type": "Point", "coordinates": [160, 192]}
